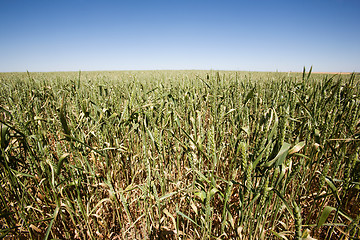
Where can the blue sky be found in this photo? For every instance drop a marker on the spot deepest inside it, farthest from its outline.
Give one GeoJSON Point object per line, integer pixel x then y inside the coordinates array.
{"type": "Point", "coordinates": [255, 35]}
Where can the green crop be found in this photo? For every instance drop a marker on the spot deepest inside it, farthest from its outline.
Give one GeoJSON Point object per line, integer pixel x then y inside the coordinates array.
{"type": "Point", "coordinates": [179, 155]}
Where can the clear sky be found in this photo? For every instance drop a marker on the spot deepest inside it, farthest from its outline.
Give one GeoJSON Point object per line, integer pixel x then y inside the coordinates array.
{"type": "Point", "coordinates": [256, 35]}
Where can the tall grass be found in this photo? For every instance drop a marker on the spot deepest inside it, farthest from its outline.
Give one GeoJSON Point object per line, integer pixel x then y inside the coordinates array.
{"type": "Point", "coordinates": [179, 155]}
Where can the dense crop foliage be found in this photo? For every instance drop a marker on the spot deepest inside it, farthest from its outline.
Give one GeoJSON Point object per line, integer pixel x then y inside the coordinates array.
{"type": "Point", "coordinates": [179, 155]}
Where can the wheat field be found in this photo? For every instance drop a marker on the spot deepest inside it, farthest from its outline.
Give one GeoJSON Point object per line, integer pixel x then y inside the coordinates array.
{"type": "Point", "coordinates": [179, 155]}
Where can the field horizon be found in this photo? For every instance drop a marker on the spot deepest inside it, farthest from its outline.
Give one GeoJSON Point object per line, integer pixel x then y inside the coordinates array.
{"type": "Point", "coordinates": [181, 70]}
